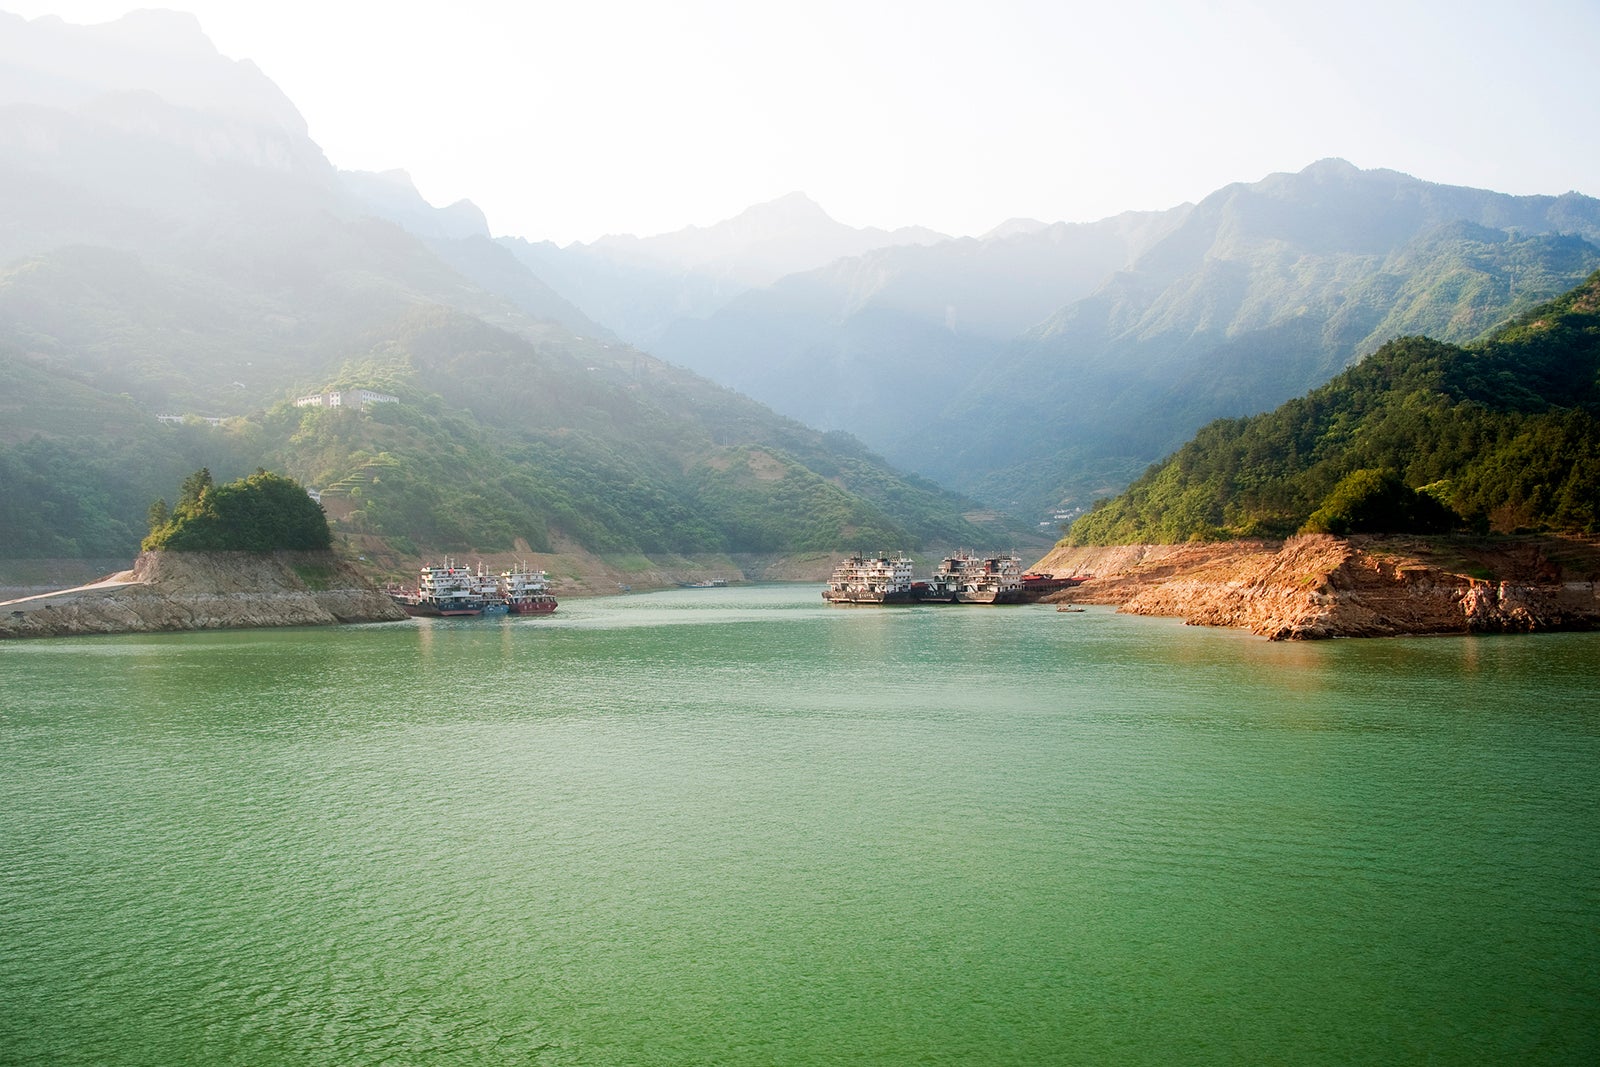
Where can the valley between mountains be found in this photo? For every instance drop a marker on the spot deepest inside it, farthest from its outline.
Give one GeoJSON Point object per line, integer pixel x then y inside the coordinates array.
{"type": "Point", "coordinates": [182, 269]}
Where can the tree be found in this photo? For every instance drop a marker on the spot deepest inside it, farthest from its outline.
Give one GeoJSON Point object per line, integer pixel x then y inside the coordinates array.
{"type": "Point", "coordinates": [194, 487]}
{"type": "Point", "coordinates": [1377, 501]}
{"type": "Point", "coordinates": [262, 513]}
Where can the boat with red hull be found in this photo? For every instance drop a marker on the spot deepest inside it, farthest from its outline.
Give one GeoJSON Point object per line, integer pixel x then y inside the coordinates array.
{"type": "Point", "coordinates": [526, 592]}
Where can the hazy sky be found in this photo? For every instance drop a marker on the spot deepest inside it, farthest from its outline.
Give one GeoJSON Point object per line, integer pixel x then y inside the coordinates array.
{"type": "Point", "coordinates": [566, 120]}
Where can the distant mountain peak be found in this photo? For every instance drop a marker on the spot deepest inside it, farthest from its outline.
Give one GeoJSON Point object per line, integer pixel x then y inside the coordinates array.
{"type": "Point", "coordinates": [396, 178]}
{"type": "Point", "coordinates": [796, 206]}
{"type": "Point", "coordinates": [762, 243]}
{"type": "Point", "coordinates": [1015, 227]}
{"type": "Point", "coordinates": [161, 30]}
{"type": "Point", "coordinates": [794, 214]}
{"type": "Point", "coordinates": [53, 63]}
{"type": "Point", "coordinates": [392, 195]}
{"type": "Point", "coordinates": [1331, 166]}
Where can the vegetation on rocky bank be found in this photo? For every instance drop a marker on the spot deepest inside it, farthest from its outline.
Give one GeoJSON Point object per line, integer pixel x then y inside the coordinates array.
{"type": "Point", "coordinates": [1501, 435]}
{"type": "Point", "coordinates": [265, 512]}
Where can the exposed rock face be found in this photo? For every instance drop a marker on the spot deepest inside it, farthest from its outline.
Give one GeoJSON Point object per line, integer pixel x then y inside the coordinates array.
{"type": "Point", "coordinates": [205, 591]}
{"type": "Point", "coordinates": [1319, 586]}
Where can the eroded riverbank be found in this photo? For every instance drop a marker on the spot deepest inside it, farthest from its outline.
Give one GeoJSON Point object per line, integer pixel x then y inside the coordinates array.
{"type": "Point", "coordinates": [168, 591]}
{"type": "Point", "coordinates": [1318, 586]}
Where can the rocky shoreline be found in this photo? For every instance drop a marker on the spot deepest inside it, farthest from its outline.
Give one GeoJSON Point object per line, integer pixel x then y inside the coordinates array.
{"type": "Point", "coordinates": [1305, 588]}
{"type": "Point", "coordinates": [1317, 586]}
{"type": "Point", "coordinates": [172, 591]}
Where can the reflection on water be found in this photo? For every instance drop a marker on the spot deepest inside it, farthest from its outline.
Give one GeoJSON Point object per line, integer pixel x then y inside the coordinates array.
{"type": "Point", "coordinates": [741, 826]}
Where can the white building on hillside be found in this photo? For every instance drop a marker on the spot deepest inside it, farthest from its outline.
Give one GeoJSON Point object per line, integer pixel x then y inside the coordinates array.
{"type": "Point", "coordinates": [345, 398]}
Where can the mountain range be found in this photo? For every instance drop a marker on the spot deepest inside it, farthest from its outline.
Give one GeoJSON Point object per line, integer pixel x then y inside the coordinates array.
{"type": "Point", "coordinates": [1041, 366]}
{"type": "Point", "coordinates": [179, 262]}
{"type": "Point", "coordinates": [1422, 436]}
{"type": "Point", "coordinates": [639, 287]}
{"type": "Point", "coordinates": [172, 242]}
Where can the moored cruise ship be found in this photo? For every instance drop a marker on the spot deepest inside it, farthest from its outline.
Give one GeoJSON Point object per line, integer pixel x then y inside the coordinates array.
{"type": "Point", "coordinates": [445, 591]}
{"type": "Point", "coordinates": [968, 579]}
{"type": "Point", "coordinates": [526, 592]}
{"type": "Point", "coordinates": [962, 578]}
{"type": "Point", "coordinates": [486, 587]}
{"type": "Point", "coordinates": [871, 580]}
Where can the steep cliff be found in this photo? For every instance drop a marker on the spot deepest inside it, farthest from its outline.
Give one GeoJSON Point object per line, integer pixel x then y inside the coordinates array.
{"type": "Point", "coordinates": [205, 591]}
{"type": "Point", "coordinates": [1319, 586]}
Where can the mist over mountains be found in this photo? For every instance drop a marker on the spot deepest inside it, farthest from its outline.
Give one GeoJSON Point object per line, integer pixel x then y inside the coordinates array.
{"type": "Point", "coordinates": [161, 261]}
{"type": "Point", "coordinates": [172, 240]}
{"type": "Point", "coordinates": [641, 287]}
{"type": "Point", "coordinates": [48, 62]}
{"type": "Point", "coordinates": [1041, 364]}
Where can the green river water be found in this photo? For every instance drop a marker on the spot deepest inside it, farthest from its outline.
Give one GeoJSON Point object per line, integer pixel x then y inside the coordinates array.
{"type": "Point", "coordinates": [738, 826]}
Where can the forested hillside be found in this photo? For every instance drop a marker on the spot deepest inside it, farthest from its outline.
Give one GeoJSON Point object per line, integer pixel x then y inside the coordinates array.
{"type": "Point", "coordinates": [1504, 434]}
{"type": "Point", "coordinates": [1265, 291]}
{"type": "Point", "coordinates": [881, 343]}
{"type": "Point", "coordinates": [1046, 364]}
{"type": "Point", "coordinates": [495, 438]}
{"type": "Point", "coordinates": [190, 257]}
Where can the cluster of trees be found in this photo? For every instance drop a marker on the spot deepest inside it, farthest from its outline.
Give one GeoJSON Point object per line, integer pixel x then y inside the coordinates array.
{"type": "Point", "coordinates": [1422, 435]}
{"type": "Point", "coordinates": [1377, 501]}
{"type": "Point", "coordinates": [264, 512]}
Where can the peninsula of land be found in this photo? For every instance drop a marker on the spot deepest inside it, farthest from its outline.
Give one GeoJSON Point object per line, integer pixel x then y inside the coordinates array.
{"type": "Point", "coordinates": [170, 591]}
{"type": "Point", "coordinates": [1319, 586]}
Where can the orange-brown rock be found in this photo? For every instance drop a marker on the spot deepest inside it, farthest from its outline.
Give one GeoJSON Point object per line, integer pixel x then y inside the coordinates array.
{"type": "Point", "coordinates": [1319, 586]}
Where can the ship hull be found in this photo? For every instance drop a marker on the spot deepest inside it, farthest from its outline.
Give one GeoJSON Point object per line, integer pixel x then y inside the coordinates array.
{"type": "Point", "coordinates": [532, 607]}
{"type": "Point", "coordinates": [897, 596]}
{"type": "Point", "coordinates": [434, 611]}
{"type": "Point", "coordinates": [990, 596]}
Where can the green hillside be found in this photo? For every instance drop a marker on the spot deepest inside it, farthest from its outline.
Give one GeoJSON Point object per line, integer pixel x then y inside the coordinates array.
{"type": "Point", "coordinates": [495, 439]}
{"type": "Point", "coordinates": [1505, 433]}
{"type": "Point", "coordinates": [164, 299]}
{"type": "Point", "coordinates": [1264, 292]}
